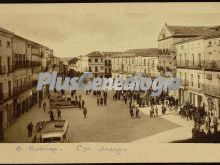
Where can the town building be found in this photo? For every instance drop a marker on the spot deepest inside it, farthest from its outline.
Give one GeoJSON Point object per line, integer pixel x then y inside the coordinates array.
{"type": "Point", "coordinates": [99, 63]}
{"type": "Point", "coordinates": [170, 35]}
{"type": "Point", "coordinates": [21, 61]}
{"type": "Point", "coordinates": [6, 80]}
{"type": "Point", "coordinates": [199, 70]}
{"type": "Point", "coordinates": [129, 63]}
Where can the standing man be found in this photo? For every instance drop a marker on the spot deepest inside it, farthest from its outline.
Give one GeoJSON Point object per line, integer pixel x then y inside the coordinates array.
{"type": "Point", "coordinates": [105, 101]}
{"type": "Point", "coordinates": [30, 129]}
{"type": "Point", "coordinates": [58, 113]}
{"type": "Point", "coordinates": [83, 103]}
{"type": "Point", "coordinates": [156, 111]}
{"type": "Point", "coordinates": [44, 106]}
{"type": "Point", "coordinates": [101, 101]}
{"type": "Point", "coordinates": [131, 112]}
{"type": "Point", "coordinates": [137, 113]}
{"type": "Point", "coordinates": [98, 101]}
{"type": "Point", "coordinates": [85, 112]}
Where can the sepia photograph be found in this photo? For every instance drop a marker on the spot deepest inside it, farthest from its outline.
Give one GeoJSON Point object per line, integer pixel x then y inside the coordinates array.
{"type": "Point", "coordinates": [136, 73]}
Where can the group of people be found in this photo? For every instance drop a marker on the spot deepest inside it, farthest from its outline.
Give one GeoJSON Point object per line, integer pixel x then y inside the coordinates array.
{"type": "Point", "coordinates": [81, 102]}
{"type": "Point", "coordinates": [102, 100]}
{"type": "Point", "coordinates": [200, 136]}
{"type": "Point", "coordinates": [191, 112]}
{"type": "Point", "coordinates": [136, 109]}
{"type": "Point", "coordinates": [144, 99]}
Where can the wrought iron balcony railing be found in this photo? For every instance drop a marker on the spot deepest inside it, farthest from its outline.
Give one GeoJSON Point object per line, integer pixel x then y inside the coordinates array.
{"type": "Point", "coordinates": [212, 90]}
{"type": "Point", "coordinates": [200, 64]}
{"type": "Point", "coordinates": [21, 89]}
{"type": "Point", "coordinates": [5, 96]}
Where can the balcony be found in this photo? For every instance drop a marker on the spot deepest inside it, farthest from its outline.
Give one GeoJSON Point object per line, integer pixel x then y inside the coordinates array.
{"type": "Point", "coordinates": [196, 87]}
{"type": "Point", "coordinates": [184, 83]}
{"type": "Point", "coordinates": [196, 64]}
{"type": "Point", "coordinates": [36, 63]}
{"type": "Point", "coordinates": [5, 96]}
{"type": "Point", "coordinates": [21, 89]}
{"type": "Point", "coordinates": [20, 64]}
{"type": "Point", "coordinates": [212, 90]}
{"type": "Point", "coordinates": [199, 64]}
{"type": "Point", "coordinates": [2, 70]}
{"type": "Point", "coordinates": [212, 65]}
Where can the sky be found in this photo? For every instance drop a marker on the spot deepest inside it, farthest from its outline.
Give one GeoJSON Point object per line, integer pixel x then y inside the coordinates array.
{"type": "Point", "coordinates": [78, 29]}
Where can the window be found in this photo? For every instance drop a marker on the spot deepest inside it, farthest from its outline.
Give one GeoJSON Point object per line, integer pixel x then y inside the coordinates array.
{"type": "Point", "coordinates": [200, 63]}
{"type": "Point", "coordinates": [198, 81]}
{"type": "Point", "coordinates": [102, 67]}
{"type": "Point", "coordinates": [96, 60]}
{"type": "Point", "coordinates": [90, 60]}
{"type": "Point", "coordinates": [96, 68]}
{"type": "Point", "coordinates": [209, 76]}
{"type": "Point", "coordinates": [152, 65]}
{"type": "Point", "coordinates": [8, 44]}
{"type": "Point", "coordinates": [218, 42]}
{"type": "Point", "coordinates": [0, 43]}
{"type": "Point", "coordinates": [101, 60]}
{"type": "Point", "coordinates": [209, 44]}
{"type": "Point", "coordinates": [90, 69]}
{"type": "Point", "coordinates": [192, 80]}
{"type": "Point", "coordinates": [193, 59]}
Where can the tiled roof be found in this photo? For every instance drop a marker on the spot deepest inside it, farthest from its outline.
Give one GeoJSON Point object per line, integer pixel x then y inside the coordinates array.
{"type": "Point", "coordinates": [189, 30]}
{"type": "Point", "coordinates": [95, 54]}
{"type": "Point", "coordinates": [150, 52]}
{"type": "Point", "coordinates": [213, 32]}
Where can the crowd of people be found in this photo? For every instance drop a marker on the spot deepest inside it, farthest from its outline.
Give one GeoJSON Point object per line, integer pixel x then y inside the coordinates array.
{"type": "Point", "coordinates": [138, 99]}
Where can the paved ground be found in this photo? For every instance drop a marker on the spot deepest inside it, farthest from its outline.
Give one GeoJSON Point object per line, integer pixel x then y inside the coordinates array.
{"type": "Point", "coordinates": [103, 124]}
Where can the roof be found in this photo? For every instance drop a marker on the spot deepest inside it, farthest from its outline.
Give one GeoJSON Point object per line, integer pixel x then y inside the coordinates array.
{"type": "Point", "coordinates": [51, 126]}
{"type": "Point", "coordinates": [188, 30]}
{"type": "Point", "coordinates": [95, 54]}
{"type": "Point", "coordinates": [188, 39]}
{"type": "Point", "coordinates": [5, 31]}
{"type": "Point", "coordinates": [212, 34]}
{"type": "Point", "coordinates": [149, 52]}
{"type": "Point", "coordinates": [73, 60]}
{"type": "Point", "coordinates": [18, 36]}
{"type": "Point", "coordinates": [215, 32]}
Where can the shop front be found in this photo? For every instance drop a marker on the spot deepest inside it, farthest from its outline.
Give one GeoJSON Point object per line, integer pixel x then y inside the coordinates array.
{"type": "Point", "coordinates": [213, 106]}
